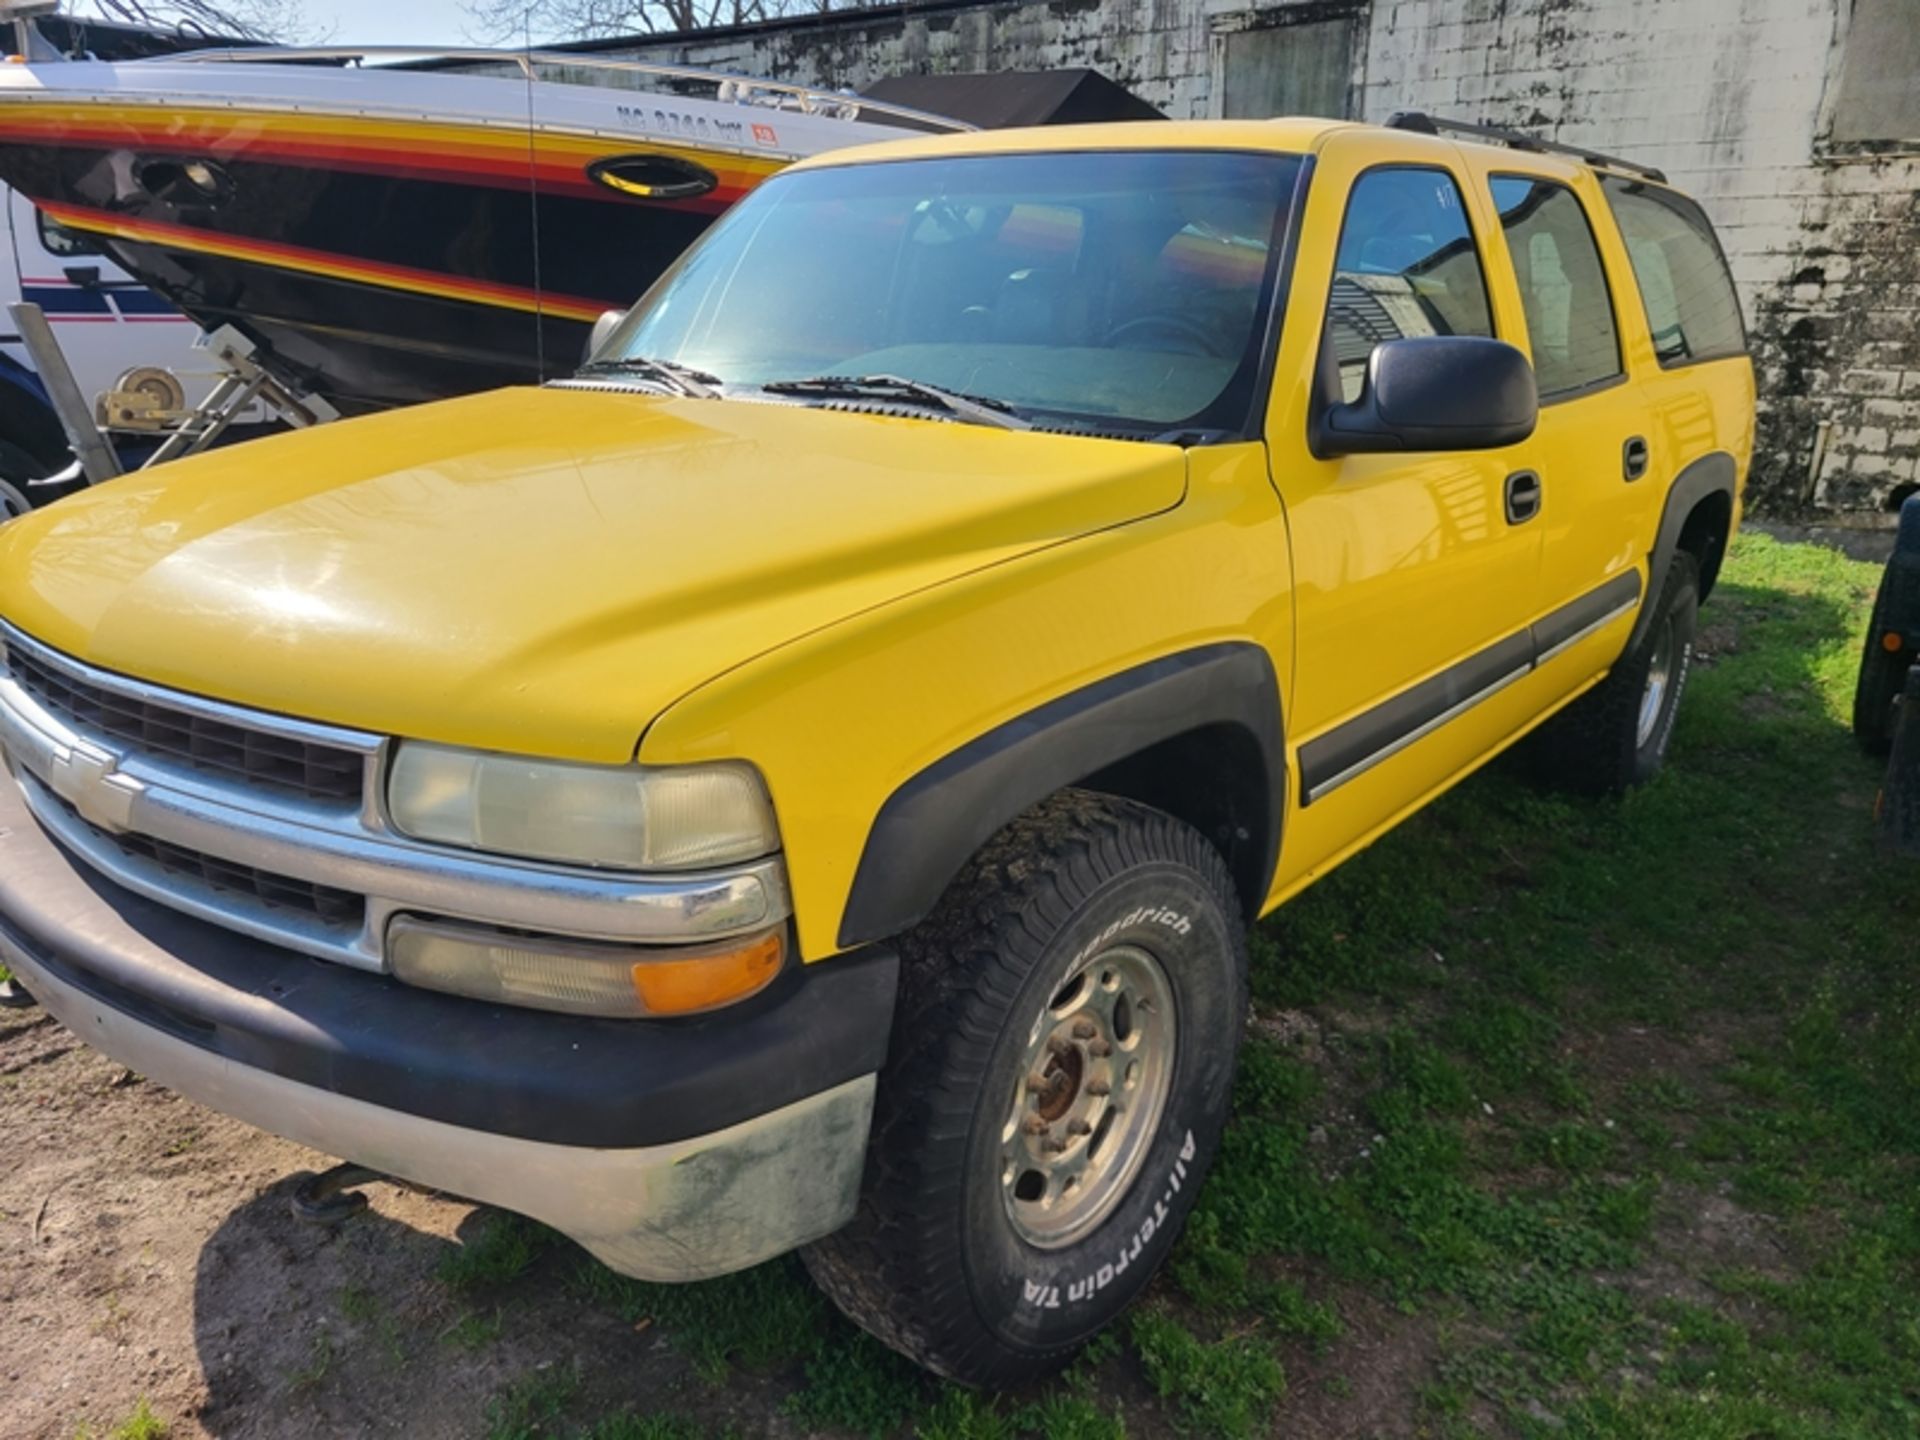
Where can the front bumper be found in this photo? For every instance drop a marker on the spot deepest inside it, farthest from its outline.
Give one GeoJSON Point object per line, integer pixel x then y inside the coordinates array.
{"type": "Point", "coordinates": [671, 1150]}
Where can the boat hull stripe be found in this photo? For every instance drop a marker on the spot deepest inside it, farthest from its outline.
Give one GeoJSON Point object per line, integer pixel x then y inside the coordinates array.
{"type": "Point", "coordinates": [322, 262]}
{"type": "Point", "coordinates": [456, 154]}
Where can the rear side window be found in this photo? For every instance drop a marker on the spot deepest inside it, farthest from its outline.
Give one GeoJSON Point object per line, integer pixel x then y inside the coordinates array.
{"type": "Point", "coordinates": [1406, 267]}
{"type": "Point", "coordinates": [1563, 285]}
{"type": "Point", "coordinates": [1691, 306]}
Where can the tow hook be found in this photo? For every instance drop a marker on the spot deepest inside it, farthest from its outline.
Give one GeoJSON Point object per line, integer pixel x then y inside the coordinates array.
{"type": "Point", "coordinates": [15, 996]}
{"type": "Point", "coordinates": [330, 1198]}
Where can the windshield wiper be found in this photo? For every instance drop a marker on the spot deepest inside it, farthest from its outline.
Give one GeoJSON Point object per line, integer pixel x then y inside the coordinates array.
{"type": "Point", "coordinates": [978, 408]}
{"type": "Point", "coordinates": [681, 379]}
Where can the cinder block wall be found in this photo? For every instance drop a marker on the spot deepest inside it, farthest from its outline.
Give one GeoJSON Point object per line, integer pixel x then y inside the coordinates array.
{"type": "Point", "coordinates": [1733, 98]}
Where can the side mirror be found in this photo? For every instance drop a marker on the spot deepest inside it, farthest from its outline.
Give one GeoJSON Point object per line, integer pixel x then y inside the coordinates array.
{"type": "Point", "coordinates": [1436, 392]}
{"type": "Point", "coordinates": [608, 322]}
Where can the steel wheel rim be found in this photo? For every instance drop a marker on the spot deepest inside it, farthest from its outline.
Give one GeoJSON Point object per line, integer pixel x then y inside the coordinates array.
{"type": "Point", "coordinates": [1659, 680]}
{"type": "Point", "coordinates": [1087, 1102]}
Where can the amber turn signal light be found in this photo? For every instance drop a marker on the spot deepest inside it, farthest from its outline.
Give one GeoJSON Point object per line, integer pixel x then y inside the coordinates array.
{"type": "Point", "coordinates": [686, 987]}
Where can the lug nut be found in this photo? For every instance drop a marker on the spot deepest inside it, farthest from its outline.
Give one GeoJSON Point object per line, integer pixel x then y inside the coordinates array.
{"type": "Point", "coordinates": [1099, 1087]}
{"type": "Point", "coordinates": [1053, 1145]}
{"type": "Point", "coordinates": [1037, 1081]}
{"type": "Point", "coordinates": [1034, 1125]}
{"type": "Point", "coordinates": [1059, 1045]}
{"type": "Point", "coordinates": [1079, 1127]}
{"type": "Point", "coordinates": [1084, 1030]}
{"type": "Point", "coordinates": [1100, 1049]}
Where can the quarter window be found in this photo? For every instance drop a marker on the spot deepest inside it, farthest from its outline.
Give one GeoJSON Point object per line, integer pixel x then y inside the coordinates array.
{"type": "Point", "coordinates": [1406, 267]}
{"type": "Point", "coordinates": [1563, 285]}
{"type": "Point", "coordinates": [1691, 306]}
{"type": "Point", "coordinates": [57, 239]}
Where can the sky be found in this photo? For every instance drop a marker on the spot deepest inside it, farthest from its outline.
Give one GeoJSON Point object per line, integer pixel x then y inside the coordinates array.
{"type": "Point", "coordinates": [392, 22]}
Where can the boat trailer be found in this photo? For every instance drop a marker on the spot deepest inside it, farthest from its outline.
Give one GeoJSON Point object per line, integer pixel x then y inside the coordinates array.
{"type": "Point", "coordinates": [151, 403]}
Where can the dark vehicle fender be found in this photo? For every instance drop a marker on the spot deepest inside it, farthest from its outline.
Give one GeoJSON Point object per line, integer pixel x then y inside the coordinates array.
{"type": "Point", "coordinates": [1898, 807]}
{"type": "Point", "coordinates": [929, 828]}
{"type": "Point", "coordinates": [1714, 474]}
{"type": "Point", "coordinates": [1899, 607]}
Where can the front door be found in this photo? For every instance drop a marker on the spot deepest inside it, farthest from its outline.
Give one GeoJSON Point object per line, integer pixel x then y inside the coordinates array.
{"type": "Point", "coordinates": [1415, 574]}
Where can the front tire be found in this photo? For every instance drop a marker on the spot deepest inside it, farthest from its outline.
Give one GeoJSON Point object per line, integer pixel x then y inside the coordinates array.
{"type": "Point", "coordinates": [1069, 1022]}
{"type": "Point", "coordinates": [1616, 735]}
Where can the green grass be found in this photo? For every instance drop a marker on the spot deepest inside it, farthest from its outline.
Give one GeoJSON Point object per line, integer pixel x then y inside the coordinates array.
{"type": "Point", "coordinates": [474, 1330]}
{"type": "Point", "coordinates": [1607, 1127]}
{"type": "Point", "coordinates": [533, 1405]}
{"type": "Point", "coordinates": [142, 1424]}
{"type": "Point", "coordinates": [1220, 1387]}
{"type": "Point", "coordinates": [501, 1249]}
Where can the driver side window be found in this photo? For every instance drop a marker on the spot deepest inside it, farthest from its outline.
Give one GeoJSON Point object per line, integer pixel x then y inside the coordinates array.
{"type": "Point", "coordinates": [1406, 267]}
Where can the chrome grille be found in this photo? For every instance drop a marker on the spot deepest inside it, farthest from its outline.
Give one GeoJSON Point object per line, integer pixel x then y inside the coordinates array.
{"type": "Point", "coordinates": [258, 822]}
{"type": "Point", "coordinates": [339, 908]}
{"type": "Point", "coordinates": [280, 762]}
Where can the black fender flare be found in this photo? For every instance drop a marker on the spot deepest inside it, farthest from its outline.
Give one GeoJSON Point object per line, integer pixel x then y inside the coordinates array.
{"type": "Point", "coordinates": [1711, 474]}
{"type": "Point", "coordinates": [929, 828]}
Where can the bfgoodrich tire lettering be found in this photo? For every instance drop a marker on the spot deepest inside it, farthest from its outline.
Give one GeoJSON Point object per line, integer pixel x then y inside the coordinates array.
{"type": "Point", "coordinates": [935, 1264]}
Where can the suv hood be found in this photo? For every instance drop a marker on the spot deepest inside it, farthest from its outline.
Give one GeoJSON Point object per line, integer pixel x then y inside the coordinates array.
{"type": "Point", "coordinates": [541, 571]}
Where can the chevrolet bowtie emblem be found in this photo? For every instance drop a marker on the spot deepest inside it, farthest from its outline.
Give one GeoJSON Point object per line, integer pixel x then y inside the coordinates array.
{"type": "Point", "coordinates": [88, 780]}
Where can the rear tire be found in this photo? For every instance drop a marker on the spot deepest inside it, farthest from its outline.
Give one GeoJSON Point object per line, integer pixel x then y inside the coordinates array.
{"type": "Point", "coordinates": [1616, 735]}
{"type": "Point", "coordinates": [1012, 1205]}
{"type": "Point", "coordinates": [1883, 675]}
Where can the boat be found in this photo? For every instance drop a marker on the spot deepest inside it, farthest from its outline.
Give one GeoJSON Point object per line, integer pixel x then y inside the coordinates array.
{"type": "Point", "coordinates": [392, 225]}
{"type": "Point", "coordinates": [116, 335]}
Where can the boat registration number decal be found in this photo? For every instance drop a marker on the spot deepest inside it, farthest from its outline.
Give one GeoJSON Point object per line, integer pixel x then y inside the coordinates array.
{"type": "Point", "coordinates": [696, 127]}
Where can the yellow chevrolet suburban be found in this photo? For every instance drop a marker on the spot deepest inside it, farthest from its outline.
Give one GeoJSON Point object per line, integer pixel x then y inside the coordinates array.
{"type": "Point", "coordinates": [805, 780]}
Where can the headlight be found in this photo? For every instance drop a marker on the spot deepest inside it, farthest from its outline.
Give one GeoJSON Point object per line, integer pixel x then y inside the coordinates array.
{"type": "Point", "coordinates": [627, 817]}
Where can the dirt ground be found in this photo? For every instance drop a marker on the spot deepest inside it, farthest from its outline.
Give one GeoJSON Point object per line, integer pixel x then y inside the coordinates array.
{"type": "Point", "coordinates": [148, 1249]}
{"type": "Point", "coordinates": [149, 1252]}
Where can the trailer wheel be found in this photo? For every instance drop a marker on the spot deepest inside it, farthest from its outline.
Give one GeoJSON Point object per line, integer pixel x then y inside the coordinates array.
{"type": "Point", "coordinates": [13, 501]}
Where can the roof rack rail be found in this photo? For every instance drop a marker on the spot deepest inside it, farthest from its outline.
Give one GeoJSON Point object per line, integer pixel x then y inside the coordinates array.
{"type": "Point", "coordinates": [1424, 124]}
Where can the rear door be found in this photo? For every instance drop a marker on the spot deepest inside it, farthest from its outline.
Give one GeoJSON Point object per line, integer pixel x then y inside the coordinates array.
{"type": "Point", "coordinates": [1686, 343]}
{"type": "Point", "coordinates": [1591, 447]}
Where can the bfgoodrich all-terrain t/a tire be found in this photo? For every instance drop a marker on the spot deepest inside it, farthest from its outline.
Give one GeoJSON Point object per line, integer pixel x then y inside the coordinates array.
{"type": "Point", "coordinates": [1069, 1021]}
{"type": "Point", "coordinates": [1616, 735]}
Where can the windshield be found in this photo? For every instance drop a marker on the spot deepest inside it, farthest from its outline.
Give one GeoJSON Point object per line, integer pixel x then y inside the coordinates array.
{"type": "Point", "coordinates": [1114, 290]}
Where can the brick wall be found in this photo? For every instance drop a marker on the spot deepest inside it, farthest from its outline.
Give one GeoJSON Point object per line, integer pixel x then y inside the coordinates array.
{"type": "Point", "coordinates": [1730, 97]}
